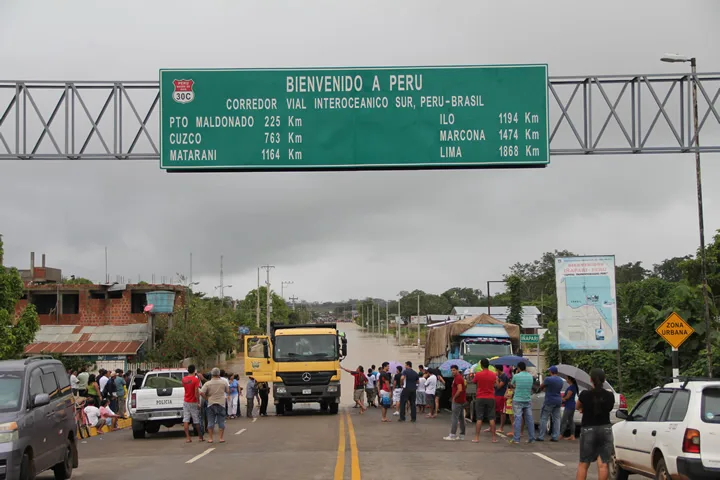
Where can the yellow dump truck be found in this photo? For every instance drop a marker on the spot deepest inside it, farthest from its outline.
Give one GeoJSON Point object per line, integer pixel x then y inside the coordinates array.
{"type": "Point", "coordinates": [301, 361]}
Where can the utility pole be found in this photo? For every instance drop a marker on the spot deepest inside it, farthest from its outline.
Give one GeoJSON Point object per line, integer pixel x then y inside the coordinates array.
{"type": "Point", "coordinates": [378, 320]}
{"type": "Point", "coordinates": [397, 322]}
{"type": "Point", "coordinates": [387, 318]}
{"type": "Point", "coordinates": [293, 298]}
{"type": "Point", "coordinates": [372, 317]}
{"type": "Point", "coordinates": [268, 305]}
{"type": "Point", "coordinates": [222, 287]}
{"type": "Point", "coordinates": [257, 308]}
{"type": "Point", "coordinates": [418, 320]}
{"type": "Point", "coordinates": [190, 279]}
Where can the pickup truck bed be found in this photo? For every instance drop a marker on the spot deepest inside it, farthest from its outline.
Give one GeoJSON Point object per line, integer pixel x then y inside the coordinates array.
{"type": "Point", "coordinates": [158, 402]}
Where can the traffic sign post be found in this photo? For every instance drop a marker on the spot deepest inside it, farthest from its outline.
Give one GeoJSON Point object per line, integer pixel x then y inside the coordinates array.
{"type": "Point", "coordinates": [354, 118]}
{"type": "Point", "coordinates": [674, 330]}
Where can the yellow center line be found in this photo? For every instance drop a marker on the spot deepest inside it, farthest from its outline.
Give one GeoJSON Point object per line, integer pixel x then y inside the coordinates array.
{"type": "Point", "coordinates": [340, 464]}
{"type": "Point", "coordinates": [355, 459]}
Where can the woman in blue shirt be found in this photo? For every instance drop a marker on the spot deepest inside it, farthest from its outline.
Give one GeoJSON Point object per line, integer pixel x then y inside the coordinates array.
{"type": "Point", "coordinates": [568, 418]}
{"type": "Point", "coordinates": [233, 400]}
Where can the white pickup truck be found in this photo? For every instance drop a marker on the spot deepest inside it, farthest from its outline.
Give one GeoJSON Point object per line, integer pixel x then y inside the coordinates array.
{"type": "Point", "coordinates": [157, 402]}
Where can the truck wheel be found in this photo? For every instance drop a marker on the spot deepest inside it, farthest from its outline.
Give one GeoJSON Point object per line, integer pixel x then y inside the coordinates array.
{"type": "Point", "coordinates": [138, 430]}
{"type": "Point", "coordinates": [280, 408]}
{"type": "Point", "coordinates": [152, 428]}
{"type": "Point", "coordinates": [324, 406]}
{"type": "Point", "coordinates": [334, 407]}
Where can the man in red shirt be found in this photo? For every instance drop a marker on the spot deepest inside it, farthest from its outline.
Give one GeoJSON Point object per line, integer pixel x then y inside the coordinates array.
{"type": "Point", "coordinates": [485, 399]}
{"type": "Point", "coordinates": [458, 405]}
{"type": "Point", "coordinates": [191, 403]}
{"type": "Point", "coordinates": [360, 380]}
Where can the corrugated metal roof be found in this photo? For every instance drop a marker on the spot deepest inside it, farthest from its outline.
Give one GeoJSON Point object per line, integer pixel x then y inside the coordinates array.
{"type": "Point", "coordinates": [84, 348]}
{"type": "Point", "coordinates": [111, 333]}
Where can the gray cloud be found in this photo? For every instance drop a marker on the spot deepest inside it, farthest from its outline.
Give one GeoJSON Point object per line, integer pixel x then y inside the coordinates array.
{"type": "Point", "coordinates": [348, 234]}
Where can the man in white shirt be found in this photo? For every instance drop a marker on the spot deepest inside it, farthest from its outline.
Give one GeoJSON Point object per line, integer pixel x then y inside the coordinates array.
{"type": "Point", "coordinates": [93, 416]}
{"type": "Point", "coordinates": [103, 381]}
{"type": "Point", "coordinates": [430, 388]}
{"type": "Point", "coordinates": [74, 383]}
{"type": "Point", "coordinates": [370, 387]}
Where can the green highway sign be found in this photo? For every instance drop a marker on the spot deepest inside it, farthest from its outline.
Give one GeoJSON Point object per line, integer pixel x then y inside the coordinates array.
{"type": "Point", "coordinates": [354, 118]}
{"type": "Point", "coordinates": [529, 338]}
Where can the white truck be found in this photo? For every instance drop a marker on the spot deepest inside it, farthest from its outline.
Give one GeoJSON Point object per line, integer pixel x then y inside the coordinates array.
{"type": "Point", "coordinates": [157, 402]}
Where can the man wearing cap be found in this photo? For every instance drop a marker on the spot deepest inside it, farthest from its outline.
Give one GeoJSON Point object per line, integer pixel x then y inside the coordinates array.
{"type": "Point", "coordinates": [551, 406]}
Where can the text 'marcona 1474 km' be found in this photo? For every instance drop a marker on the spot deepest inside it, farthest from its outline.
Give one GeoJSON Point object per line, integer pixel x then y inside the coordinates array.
{"type": "Point", "coordinates": [354, 118]}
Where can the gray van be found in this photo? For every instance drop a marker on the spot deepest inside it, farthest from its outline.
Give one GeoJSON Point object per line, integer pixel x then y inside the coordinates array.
{"type": "Point", "coordinates": [37, 419]}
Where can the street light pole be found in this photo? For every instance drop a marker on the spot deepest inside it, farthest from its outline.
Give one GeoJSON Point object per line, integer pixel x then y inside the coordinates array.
{"type": "Point", "coordinates": [674, 58]}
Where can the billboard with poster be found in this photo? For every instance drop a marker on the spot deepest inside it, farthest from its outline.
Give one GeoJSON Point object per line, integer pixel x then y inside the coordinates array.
{"type": "Point", "coordinates": [586, 302]}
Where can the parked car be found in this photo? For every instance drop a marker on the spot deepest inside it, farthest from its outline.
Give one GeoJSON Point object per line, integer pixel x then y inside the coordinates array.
{"type": "Point", "coordinates": [37, 419]}
{"type": "Point", "coordinates": [673, 432]}
{"type": "Point", "coordinates": [157, 402]}
{"type": "Point", "coordinates": [538, 399]}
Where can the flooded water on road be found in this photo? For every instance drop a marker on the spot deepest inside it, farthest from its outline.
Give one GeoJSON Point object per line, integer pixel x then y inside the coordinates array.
{"type": "Point", "coordinates": [368, 349]}
{"type": "Point", "coordinates": [364, 349]}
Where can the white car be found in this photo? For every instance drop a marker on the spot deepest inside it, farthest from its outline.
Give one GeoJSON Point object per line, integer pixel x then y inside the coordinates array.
{"type": "Point", "coordinates": [673, 432]}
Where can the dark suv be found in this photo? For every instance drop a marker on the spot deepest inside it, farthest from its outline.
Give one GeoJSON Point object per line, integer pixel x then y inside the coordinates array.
{"type": "Point", "coordinates": [37, 419]}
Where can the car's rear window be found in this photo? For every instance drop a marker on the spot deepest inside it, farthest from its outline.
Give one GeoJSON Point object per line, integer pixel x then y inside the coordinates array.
{"type": "Point", "coordinates": [711, 405]}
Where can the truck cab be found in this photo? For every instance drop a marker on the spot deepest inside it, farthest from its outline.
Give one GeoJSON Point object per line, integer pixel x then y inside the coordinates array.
{"type": "Point", "coordinates": [484, 341]}
{"type": "Point", "coordinates": [301, 361]}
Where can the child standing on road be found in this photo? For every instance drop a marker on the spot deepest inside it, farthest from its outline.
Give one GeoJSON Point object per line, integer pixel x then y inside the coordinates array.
{"type": "Point", "coordinates": [420, 394]}
{"type": "Point", "coordinates": [508, 402]}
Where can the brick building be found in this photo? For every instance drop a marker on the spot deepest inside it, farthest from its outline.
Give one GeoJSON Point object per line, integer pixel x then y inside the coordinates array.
{"type": "Point", "coordinates": [103, 322]}
{"type": "Point", "coordinates": [92, 305]}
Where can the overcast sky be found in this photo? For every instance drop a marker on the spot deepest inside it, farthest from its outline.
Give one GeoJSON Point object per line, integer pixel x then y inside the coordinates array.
{"type": "Point", "coordinates": [347, 234]}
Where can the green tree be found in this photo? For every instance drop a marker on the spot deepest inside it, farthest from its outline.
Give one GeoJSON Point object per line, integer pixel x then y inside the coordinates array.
{"type": "Point", "coordinates": [630, 272]}
{"type": "Point", "coordinates": [16, 332]}
{"type": "Point", "coordinates": [514, 284]}
{"type": "Point", "coordinates": [77, 281]}
{"type": "Point", "coordinates": [463, 297]}
{"type": "Point", "coordinates": [670, 269]}
{"type": "Point", "coordinates": [248, 306]}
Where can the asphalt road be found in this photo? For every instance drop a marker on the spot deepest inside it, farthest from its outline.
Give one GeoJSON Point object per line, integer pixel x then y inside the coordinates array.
{"type": "Point", "coordinates": [312, 445]}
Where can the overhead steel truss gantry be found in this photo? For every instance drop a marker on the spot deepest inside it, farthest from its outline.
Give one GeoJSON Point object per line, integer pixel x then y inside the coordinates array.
{"type": "Point", "coordinates": [590, 115]}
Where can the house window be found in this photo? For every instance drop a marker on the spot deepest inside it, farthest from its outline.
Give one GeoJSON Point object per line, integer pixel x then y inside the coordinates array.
{"type": "Point", "coordinates": [71, 303]}
{"type": "Point", "coordinates": [45, 304]}
{"type": "Point", "coordinates": [116, 294]}
{"type": "Point", "coordinates": [138, 301]}
{"type": "Point", "coordinates": [97, 294]}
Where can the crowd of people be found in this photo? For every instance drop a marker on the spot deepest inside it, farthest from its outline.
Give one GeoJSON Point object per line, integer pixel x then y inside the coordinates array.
{"type": "Point", "coordinates": [503, 393]}
{"type": "Point", "coordinates": [104, 395]}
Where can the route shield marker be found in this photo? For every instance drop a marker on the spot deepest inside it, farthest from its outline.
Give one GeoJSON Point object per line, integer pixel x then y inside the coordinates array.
{"type": "Point", "coordinates": [674, 330]}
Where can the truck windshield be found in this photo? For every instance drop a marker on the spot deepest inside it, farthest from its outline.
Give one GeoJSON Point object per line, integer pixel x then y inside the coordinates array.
{"type": "Point", "coordinates": [488, 350]}
{"type": "Point", "coordinates": [303, 348]}
{"type": "Point", "coordinates": [10, 391]}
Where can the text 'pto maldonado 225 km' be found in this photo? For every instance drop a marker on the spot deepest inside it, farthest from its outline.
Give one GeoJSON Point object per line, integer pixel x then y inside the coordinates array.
{"type": "Point", "coordinates": [354, 118]}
